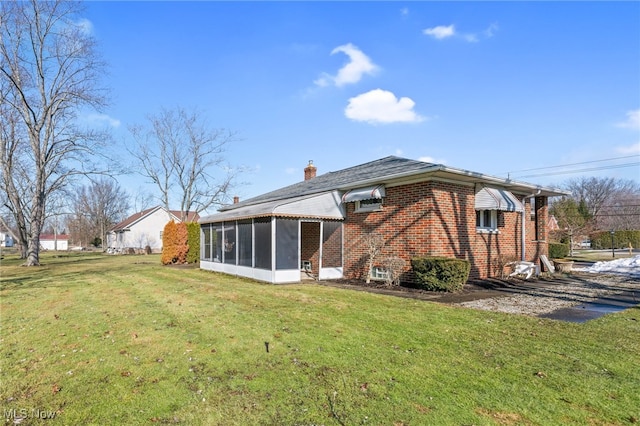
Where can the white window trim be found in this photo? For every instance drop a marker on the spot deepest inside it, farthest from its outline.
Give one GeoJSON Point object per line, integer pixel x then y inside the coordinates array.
{"type": "Point", "coordinates": [369, 207]}
{"type": "Point", "coordinates": [378, 273]}
{"type": "Point", "coordinates": [493, 226]}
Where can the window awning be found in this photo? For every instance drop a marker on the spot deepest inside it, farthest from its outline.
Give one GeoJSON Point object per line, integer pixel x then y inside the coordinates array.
{"type": "Point", "coordinates": [497, 199]}
{"type": "Point", "coordinates": [361, 194]}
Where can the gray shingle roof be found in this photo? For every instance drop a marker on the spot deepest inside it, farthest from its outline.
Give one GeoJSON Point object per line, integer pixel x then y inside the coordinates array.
{"type": "Point", "coordinates": [386, 170]}
{"type": "Point", "coordinates": [342, 179]}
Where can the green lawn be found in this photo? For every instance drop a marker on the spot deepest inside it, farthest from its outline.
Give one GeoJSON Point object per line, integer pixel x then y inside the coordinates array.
{"type": "Point", "coordinates": [99, 340]}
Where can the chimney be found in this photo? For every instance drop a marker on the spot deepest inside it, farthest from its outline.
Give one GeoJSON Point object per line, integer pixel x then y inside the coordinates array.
{"type": "Point", "coordinates": [310, 171]}
{"type": "Point", "coordinates": [236, 199]}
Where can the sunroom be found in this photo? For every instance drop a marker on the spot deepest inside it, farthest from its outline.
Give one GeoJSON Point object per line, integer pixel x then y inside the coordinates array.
{"type": "Point", "coordinates": [280, 241]}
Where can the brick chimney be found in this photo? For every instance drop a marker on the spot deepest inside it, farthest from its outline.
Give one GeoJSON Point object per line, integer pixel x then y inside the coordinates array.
{"type": "Point", "coordinates": [236, 199]}
{"type": "Point", "coordinates": [310, 171]}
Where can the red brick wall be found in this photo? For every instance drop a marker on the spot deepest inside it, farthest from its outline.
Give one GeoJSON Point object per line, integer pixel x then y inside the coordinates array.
{"type": "Point", "coordinates": [310, 244]}
{"type": "Point", "coordinates": [438, 219]}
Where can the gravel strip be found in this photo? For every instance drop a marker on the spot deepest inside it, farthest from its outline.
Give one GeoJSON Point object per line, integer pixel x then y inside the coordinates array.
{"type": "Point", "coordinates": [550, 298]}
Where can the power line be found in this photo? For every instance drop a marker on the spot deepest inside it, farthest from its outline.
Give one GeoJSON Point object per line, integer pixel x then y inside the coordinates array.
{"type": "Point", "coordinates": [571, 164]}
{"type": "Point", "coordinates": [614, 166]}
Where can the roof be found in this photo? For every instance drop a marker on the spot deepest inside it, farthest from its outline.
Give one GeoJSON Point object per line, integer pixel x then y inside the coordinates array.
{"type": "Point", "coordinates": [136, 217]}
{"type": "Point", "coordinates": [321, 206]}
{"type": "Point", "coordinates": [52, 237]}
{"type": "Point", "coordinates": [387, 171]}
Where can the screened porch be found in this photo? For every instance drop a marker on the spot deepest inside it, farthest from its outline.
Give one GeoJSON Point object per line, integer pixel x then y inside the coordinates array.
{"type": "Point", "coordinates": [273, 249]}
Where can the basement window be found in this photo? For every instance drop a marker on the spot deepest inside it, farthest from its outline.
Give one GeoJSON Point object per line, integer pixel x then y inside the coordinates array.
{"type": "Point", "coordinates": [379, 273]}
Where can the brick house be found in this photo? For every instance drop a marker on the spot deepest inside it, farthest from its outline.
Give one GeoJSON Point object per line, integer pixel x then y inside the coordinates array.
{"type": "Point", "coordinates": [317, 227]}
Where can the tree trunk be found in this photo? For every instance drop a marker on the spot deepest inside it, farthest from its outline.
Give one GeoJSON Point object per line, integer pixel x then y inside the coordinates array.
{"type": "Point", "coordinates": [33, 253]}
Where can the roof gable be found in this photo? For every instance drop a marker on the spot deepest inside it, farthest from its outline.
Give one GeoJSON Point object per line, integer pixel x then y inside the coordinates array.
{"type": "Point", "coordinates": [137, 217]}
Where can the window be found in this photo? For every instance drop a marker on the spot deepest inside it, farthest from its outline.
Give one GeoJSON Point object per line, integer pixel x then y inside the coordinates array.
{"type": "Point", "coordinates": [206, 238]}
{"type": "Point", "coordinates": [379, 273]}
{"type": "Point", "coordinates": [262, 238]}
{"type": "Point", "coordinates": [486, 220]}
{"type": "Point", "coordinates": [245, 243]}
{"type": "Point", "coordinates": [230, 243]}
{"type": "Point", "coordinates": [370, 205]}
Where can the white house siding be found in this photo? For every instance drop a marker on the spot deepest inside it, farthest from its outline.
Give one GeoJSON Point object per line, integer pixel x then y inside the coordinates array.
{"type": "Point", "coordinates": [54, 245]}
{"type": "Point", "coordinates": [146, 232]}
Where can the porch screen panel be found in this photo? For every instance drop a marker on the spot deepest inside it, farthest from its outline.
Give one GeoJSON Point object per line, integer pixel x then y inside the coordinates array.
{"type": "Point", "coordinates": [262, 229]}
{"type": "Point", "coordinates": [332, 244]}
{"type": "Point", "coordinates": [206, 242]}
{"type": "Point", "coordinates": [229, 245]}
{"type": "Point", "coordinates": [287, 244]}
{"type": "Point", "coordinates": [244, 243]}
{"type": "Point", "coordinates": [216, 234]}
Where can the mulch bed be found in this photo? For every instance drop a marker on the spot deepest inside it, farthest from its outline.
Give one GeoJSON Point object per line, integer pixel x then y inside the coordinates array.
{"type": "Point", "coordinates": [473, 289]}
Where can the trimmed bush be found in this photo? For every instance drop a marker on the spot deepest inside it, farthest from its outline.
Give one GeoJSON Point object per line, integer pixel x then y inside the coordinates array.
{"type": "Point", "coordinates": [621, 239]}
{"type": "Point", "coordinates": [441, 273]}
{"type": "Point", "coordinates": [193, 240]}
{"type": "Point", "coordinates": [174, 243]}
{"type": "Point", "coordinates": [558, 250]}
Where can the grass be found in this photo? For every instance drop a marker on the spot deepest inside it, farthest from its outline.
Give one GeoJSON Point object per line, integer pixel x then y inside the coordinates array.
{"type": "Point", "coordinates": [101, 340]}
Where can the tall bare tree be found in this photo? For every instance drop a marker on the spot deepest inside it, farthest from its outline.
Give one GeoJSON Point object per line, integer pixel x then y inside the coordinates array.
{"type": "Point", "coordinates": [49, 71]}
{"type": "Point", "coordinates": [611, 203]}
{"type": "Point", "coordinates": [97, 207]}
{"type": "Point", "coordinates": [183, 155]}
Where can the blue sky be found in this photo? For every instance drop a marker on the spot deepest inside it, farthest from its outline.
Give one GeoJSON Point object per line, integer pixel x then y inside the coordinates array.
{"type": "Point", "coordinates": [490, 87]}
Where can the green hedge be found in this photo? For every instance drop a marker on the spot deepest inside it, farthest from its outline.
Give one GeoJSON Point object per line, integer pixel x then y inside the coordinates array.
{"type": "Point", "coordinates": [441, 273]}
{"type": "Point", "coordinates": [621, 239]}
{"type": "Point", "coordinates": [193, 239]}
{"type": "Point", "coordinates": [558, 250]}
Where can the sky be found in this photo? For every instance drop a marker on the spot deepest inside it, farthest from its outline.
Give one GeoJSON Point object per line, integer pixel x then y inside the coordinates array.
{"type": "Point", "coordinates": [509, 89]}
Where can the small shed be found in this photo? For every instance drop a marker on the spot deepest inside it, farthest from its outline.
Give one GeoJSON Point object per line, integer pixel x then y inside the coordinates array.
{"type": "Point", "coordinates": [54, 242]}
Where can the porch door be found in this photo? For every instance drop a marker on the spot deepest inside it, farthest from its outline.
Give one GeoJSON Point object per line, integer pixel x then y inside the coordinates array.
{"type": "Point", "coordinates": [310, 249]}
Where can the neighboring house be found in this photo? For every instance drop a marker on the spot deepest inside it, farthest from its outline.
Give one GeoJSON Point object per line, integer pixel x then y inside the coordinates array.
{"type": "Point", "coordinates": [421, 209]}
{"type": "Point", "coordinates": [6, 239]}
{"type": "Point", "coordinates": [58, 242]}
{"type": "Point", "coordinates": [144, 229]}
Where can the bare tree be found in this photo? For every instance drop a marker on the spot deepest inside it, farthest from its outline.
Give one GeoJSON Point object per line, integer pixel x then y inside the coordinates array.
{"type": "Point", "coordinates": [374, 243]}
{"type": "Point", "coordinates": [622, 209]}
{"type": "Point", "coordinates": [49, 71]}
{"type": "Point", "coordinates": [182, 155]}
{"type": "Point", "coordinates": [98, 206]}
{"type": "Point", "coordinates": [612, 203]}
{"type": "Point", "coordinates": [573, 219]}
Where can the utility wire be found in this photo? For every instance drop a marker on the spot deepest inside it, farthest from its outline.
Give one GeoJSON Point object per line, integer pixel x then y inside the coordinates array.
{"type": "Point", "coordinates": [575, 164]}
{"type": "Point", "coordinates": [615, 166]}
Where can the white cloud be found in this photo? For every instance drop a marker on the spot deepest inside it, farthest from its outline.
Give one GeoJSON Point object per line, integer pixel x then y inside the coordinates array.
{"type": "Point", "coordinates": [428, 159]}
{"type": "Point", "coordinates": [404, 11]}
{"type": "Point", "coordinates": [359, 64]}
{"type": "Point", "coordinates": [103, 119]}
{"type": "Point", "coordinates": [491, 30]}
{"type": "Point", "coordinates": [632, 121]}
{"type": "Point", "coordinates": [85, 25]}
{"type": "Point", "coordinates": [440, 32]}
{"type": "Point", "coordinates": [629, 149]}
{"type": "Point", "coordinates": [291, 170]}
{"type": "Point", "coordinates": [381, 106]}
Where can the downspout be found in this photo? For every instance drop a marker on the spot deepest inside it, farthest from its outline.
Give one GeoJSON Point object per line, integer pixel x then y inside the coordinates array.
{"type": "Point", "coordinates": [524, 232]}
